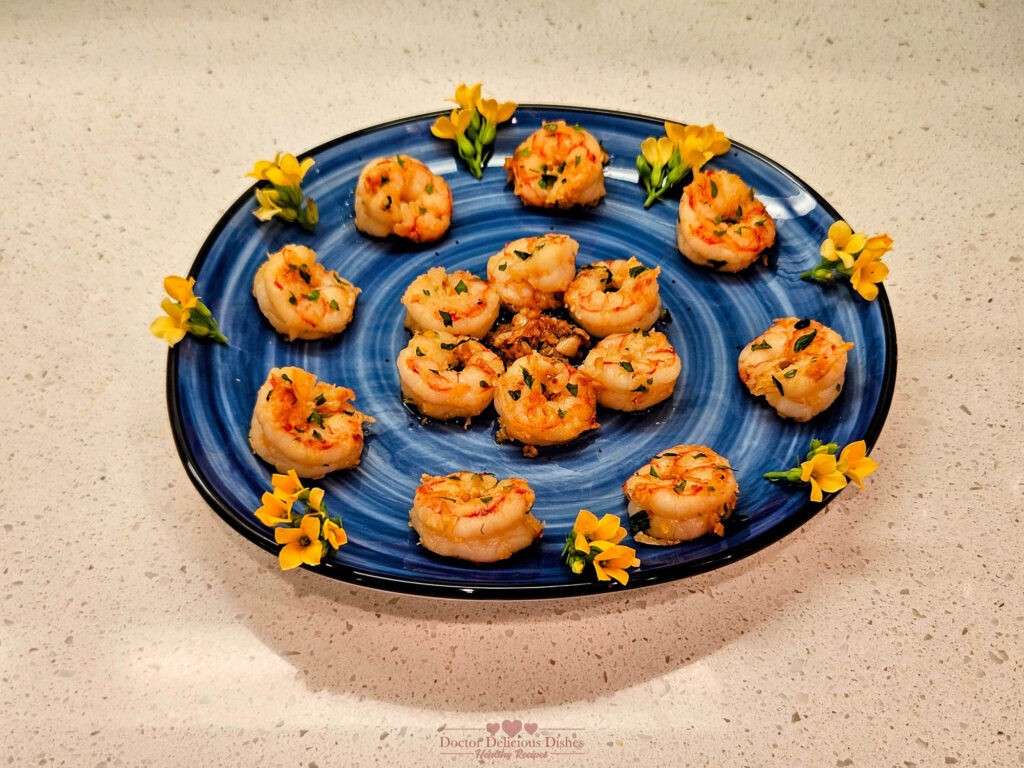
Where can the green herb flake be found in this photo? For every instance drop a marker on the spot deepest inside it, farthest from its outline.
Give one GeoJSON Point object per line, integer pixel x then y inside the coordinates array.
{"type": "Point", "coordinates": [778, 386]}
{"type": "Point", "coordinates": [654, 472]}
{"type": "Point", "coordinates": [524, 255]}
{"type": "Point", "coordinates": [714, 189]}
{"type": "Point", "coordinates": [312, 295]}
{"type": "Point", "coordinates": [626, 365]}
{"type": "Point", "coordinates": [334, 304]}
{"type": "Point", "coordinates": [804, 341]}
{"type": "Point", "coordinates": [420, 352]}
{"type": "Point", "coordinates": [320, 399]}
{"type": "Point", "coordinates": [401, 161]}
{"type": "Point", "coordinates": [515, 394]}
{"type": "Point", "coordinates": [561, 413]}
{"type": "Point", "coordinates": [700, 455]}
{"type": "Point", "coordinates": [527, 377]}
{"type": "Point", "coordinates": [316, 418]}
{"type": "Point", "coordinates": [291, 298]}
{"type": "Point", "coordinates": [284, 376]}
{"type": "Point", "coordinates": [680, 486]}
{"type": "Point", "coordinates": [483, 384]}
{"type": "Point", "coordinates": [461, 287]}
{"type": "Point", "coordinates": [762, 344]}
{"type": "Point", "coordinates": [446, 318]}
{"type": "Point", "coordinates": [572, 389]}
{"type": "Point", "coordinates": [639, 522]}
{"type": "Point", "coordinates": [430, 189]}
{"type": "Point", "coordinates": [502, 267]}
{"type": "Point", "coordinates": [317, 435]}
{"type": "Point", "coordinates": [790, 373]}
{"type": "Point", "coordinates": [637, 270]}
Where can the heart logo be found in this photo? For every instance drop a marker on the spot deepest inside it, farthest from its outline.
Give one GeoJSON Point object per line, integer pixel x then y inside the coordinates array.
{"type": "Point", "coordinates": [492, 728]}
{"type": "Point", "coordinates": [512, 727]}
{"type": "Point", "coordinates": [530, 728]}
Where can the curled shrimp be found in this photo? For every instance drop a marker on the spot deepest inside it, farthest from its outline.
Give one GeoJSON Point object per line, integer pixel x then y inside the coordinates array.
{"type": "Point", "coordinates": [446, 376]}
{"type": "Point", "coordinates": [302, 424]}
{"type": "Point", "coordinates": [633, 371]}
{"type": "Point", "coordinates": [543, 401]}
{"type": "Point", "coordinates": [721, 224]}
{"type": "Point", "coordinates": [685, 491]}
{"type": "Point", "coordinates": [301, 298]}
{"type": "Point", "coordinates": [533, 272]}
{"type": "Point", "coordinates": [458, 302]}
{"type": "Point", "coordinates": [474, 516]}
{"type": "Point", "coordinates": [798, 366]}
{"type": "Point", "coordinates": [399, 195]}
{"type": "Point", "coordinates": [558, 166]}
{"type": "Point", "coordinates": [616, 296]}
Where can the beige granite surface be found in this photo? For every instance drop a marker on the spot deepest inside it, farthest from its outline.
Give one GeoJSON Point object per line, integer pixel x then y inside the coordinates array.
{"type": "Point", "coordinates": [137, 629]}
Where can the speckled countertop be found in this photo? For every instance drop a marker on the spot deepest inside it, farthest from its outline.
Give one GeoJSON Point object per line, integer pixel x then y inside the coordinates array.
{"type": "Point", "coordinates": [138, 629]}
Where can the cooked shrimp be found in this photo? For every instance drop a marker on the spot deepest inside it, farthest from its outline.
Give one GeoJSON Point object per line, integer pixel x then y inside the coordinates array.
{"type": "Point", "coordinates": [533, 272]}
{"type": "Point", "coordinates": [459, 303]}
{"type": "Point", "coordinates": [543, 401]}
{"type": "Point", "coordinates": [399, 195]}
{"type": "Point", "coordinates": [474, 516]}
{"type": "Point", "coordinates": [633, 371]}
{"type": "Point", "coordinates": [685, 491]}
{"type": "Point", "coordinates": [721, 224]}
{"type": "Point", "coordinates": [616, 296]}
{"type": "Point", "coordinates": [558, 166]}
{"type": "Point", "coordinates": [301, 298]}
{"type": "Point", "coordinates": [531, 330]}
{"type": "Point", "coordinates": [446, 376]}
{"type": "Point", "coordinates": [302, 424]}
{"type": "Point", "coordinates": [798, 366]}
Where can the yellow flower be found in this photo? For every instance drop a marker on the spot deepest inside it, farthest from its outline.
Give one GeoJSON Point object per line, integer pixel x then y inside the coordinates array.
{"type": "Point", "coordinates": [657, 152]}
{"type": "Point", "coordinates": [823, 475]}
{"type": "Point", "coordinates": [301, 545]}
{"type": "Point", "coordinates": [867, 273]}
{"type": "Point", "coordinates": [174, 325]}
{"type": "Point", "coordinates": [275, 510]}
{"type": "Point", "coordinates": [493, 112]}
{"type": "Point", "coordinates": [284, 171]}
{"type": "Point", "coordinates": [334, 534]}
{"type": "Point", "coordinates": [842, 244]}
{"type": "Point", "coordinates": [697, 144]}
{"type": "Point", "coordinates": [854, 462]}
{"type": "Point", "coordinates": [267, 198]}
{"type": "Point", "coordinates": [451, 127]}
{"type": "Point", "coordinates": [868, 270]}
{"type": "Point", "coordinates": [287, 487]}
{"type": "Point", "coordinates": [589, 529]}
{"type": "Point", "coordinates": [612, 560]}
{"type": "Point", "coordinates": [180, 289]}
{"type": "Point", "coordinates": [467, 96]}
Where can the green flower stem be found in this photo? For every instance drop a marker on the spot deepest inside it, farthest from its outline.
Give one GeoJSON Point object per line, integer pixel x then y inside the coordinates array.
{"type": "Point", "coordinates": [792, 475]}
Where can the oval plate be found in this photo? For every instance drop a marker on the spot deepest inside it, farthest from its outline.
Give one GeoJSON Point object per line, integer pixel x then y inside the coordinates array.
{"type": "Point", "coordinates": [211, 388]}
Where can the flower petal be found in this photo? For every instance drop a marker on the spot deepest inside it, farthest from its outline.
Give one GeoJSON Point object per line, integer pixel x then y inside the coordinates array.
{"type": "Point", "coordinates": [165, 329]}
{"type": "Point", "coordinates": [839, 233]}
{"type": "Point", "coordinates": [180, 289]}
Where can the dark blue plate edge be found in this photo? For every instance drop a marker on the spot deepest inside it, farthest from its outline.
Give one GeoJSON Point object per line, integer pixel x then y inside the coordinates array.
{"type": "Point", "coordinates": [580, 588]}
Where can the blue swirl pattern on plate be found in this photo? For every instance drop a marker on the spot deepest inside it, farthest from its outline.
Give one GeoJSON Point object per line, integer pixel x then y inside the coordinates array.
{"type": "Point", "coordinates": [211, 388]}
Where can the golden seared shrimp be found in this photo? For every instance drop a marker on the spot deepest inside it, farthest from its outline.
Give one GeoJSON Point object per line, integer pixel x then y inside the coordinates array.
{"type": "Point", "coordinates": [533, 272]}
{"type": "Point", "coordinates": [301, 298]}
{"type": "Point", "coordinates": [458, 302]}
{"type": "Point", "coordinates": [474, 516]}
{"type": "Point", "coordinates": [798, 366]}
{"type": "Point", "coordinates": [558, 166]}
{"type": "Point", "coordinates": [531, 330]}
{"type": "Point", "coordinates": [633, 371]}
{"type": "Point", "coordinates": [446, 376]}
{"type": "Point", "coordinates": [685, 492]}
{"type": "Point", "coordinates": [721, 224]}
{"type": "Point", "coordinates": [616, 296]}
{"type": "Point", "coordinates": [398, 195]}
{"type": "Point", "coordinates": [543, 401]}
{"type": "Point", "coordinates": [302, 424]}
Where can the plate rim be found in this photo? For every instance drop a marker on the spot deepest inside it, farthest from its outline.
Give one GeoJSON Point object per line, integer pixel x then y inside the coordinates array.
{"type": "Point", "coordinates": [410, 585]}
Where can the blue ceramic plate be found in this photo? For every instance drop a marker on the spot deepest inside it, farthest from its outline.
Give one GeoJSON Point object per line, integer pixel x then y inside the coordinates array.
{"type": "Point", "coordinates": [211, 388]}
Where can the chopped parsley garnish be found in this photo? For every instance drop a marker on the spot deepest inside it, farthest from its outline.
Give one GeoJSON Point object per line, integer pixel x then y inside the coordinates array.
{"type": "Point", "coordinates": [802, 343]}
{"type": "Point", "coordinates": [762, 344]}
{"type": "Point", "coordinates": [461, 287]}
{"type": "Point", "coordinates": [527, 377]}
{"type": "Point", "coordinates": [446, 318]}
{"type": "Point", "coordinates": [626, 365]}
